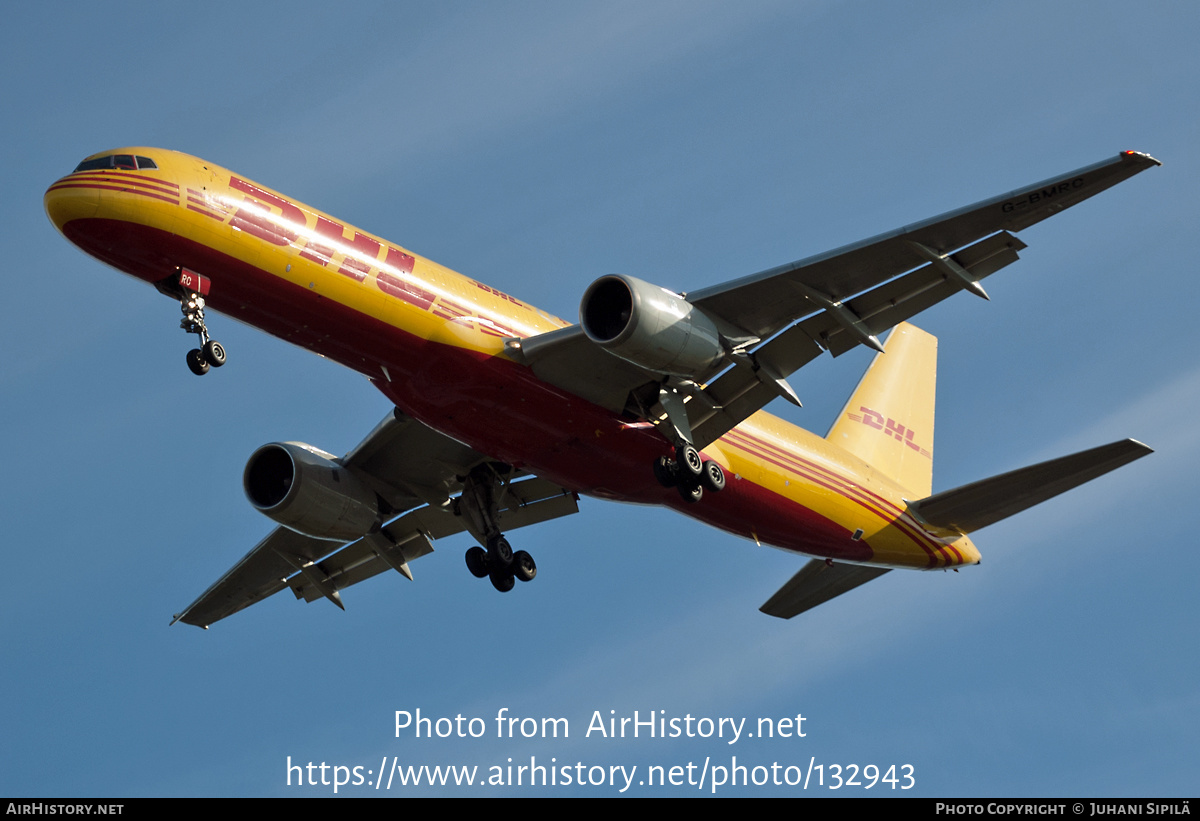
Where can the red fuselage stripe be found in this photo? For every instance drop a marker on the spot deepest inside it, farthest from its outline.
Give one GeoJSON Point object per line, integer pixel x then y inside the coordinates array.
{"type": "Point", "coordinates": [843, 486]}
{"type": "Point", "coordinates": [165, 186]}
{"type": "Point", "coordinates": [119, 186]}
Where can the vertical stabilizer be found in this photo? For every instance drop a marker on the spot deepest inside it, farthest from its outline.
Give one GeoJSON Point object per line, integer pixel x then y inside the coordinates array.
{"type": "Point", "coordinates": [888, 422]}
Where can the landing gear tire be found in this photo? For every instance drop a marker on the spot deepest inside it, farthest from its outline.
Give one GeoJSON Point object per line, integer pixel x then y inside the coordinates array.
{"type": "Point", "coordinates": [214, 353]}
{"type": "Point", "coordinates": [502, 580]}
{"type": "Point", "coordinates": [689, 461]}
{"type": "Point", "coordinates": [477, 562]}
{"type": "Point", "coordinates": [713, 478]}
{"type": "Point", "coordinates": [523, 566]}
{"type": "Point", "coordinates": [196, 362]}
{"type": "Point", "coordinates": [666, 472]}
{"type": "Point", "coordinates": [500, 551]}
{"type": "Point", "coordinates": [483, 488]}
{"type": "Point", "coordinates": [691, 493]}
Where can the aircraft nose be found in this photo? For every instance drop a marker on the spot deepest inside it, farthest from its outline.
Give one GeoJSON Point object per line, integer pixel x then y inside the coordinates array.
{"type": "Point", "coordinates": [66, 200]}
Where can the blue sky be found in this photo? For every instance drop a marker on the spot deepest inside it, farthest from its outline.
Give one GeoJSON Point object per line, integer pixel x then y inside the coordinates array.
{"type": "Point", "coordinates": [536, 146]}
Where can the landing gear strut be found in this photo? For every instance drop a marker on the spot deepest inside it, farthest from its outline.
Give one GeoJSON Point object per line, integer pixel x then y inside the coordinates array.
{"type": "Point", "coordinates": [689, 472]}
{"type": "Point", "coordinates": [478, 506]}
{"type": "Point", "coordinates": [211, 352]}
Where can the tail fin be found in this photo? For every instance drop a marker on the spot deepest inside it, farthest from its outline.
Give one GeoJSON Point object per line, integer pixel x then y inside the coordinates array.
{"type": "Point", "coordinates": [888, 422]}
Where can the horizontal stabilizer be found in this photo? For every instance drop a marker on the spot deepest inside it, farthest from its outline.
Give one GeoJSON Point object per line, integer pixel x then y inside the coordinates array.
{"type": "Point", "coordinates": [816, 583]}
{"type": "Point", "coordinates": [975, 506]}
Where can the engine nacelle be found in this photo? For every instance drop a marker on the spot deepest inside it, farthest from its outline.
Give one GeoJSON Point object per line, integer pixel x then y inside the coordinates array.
{"type": "Point", "coordinates": [305, 490]}
{"type": "Point", "coordinates": [650, 326]}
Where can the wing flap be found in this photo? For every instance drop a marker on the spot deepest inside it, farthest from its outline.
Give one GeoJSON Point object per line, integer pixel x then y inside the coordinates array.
{"type": "Point", "coordinates": [975, 506]}
{"type": "Point", "coordinates": [903, 298]}
{"type": "Point", "coordinates": [364, 559]}
{"type": "Point", "coordinates": [748, 386]}
{"type": "Point", "coordinates": [816, 583]}
{"type": "Point", "coordinates": [733, 398]}
{"type": "Point", "coordinates": [525, 503]}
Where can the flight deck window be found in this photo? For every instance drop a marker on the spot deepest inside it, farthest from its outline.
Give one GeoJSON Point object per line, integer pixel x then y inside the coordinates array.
{"type": "Point", "coordinates": [123, 161]}
{"type": "Point", "coordinates": [96, 164]}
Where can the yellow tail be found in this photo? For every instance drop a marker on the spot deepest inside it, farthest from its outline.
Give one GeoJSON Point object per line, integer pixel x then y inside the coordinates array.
{"type": "Point", "coordinates": [888, 422]}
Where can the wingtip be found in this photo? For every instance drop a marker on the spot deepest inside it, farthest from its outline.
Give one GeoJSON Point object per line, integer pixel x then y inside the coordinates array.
{"type": "Point", "coordinates": [1140, 155]}
{"type": "Point", "coordinates": [179, 617]}
{"type": "Point", "coordinates": [1146, 449]}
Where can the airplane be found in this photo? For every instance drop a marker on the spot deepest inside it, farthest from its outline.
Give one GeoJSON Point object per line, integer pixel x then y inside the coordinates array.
{"type": "Point", "coordinates": [504, 415]}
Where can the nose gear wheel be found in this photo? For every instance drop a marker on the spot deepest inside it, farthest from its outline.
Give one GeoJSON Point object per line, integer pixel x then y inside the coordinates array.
{"type": "Point", "coordinates": [210, 353]}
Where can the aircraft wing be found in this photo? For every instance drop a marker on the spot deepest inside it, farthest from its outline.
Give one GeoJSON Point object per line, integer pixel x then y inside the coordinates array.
{"type": "Point", "coordinates": [765, 302]}
{"type": "Point", "coordinates": [786, 316]}
{"type": "Point", "coordinates": [410, 466]}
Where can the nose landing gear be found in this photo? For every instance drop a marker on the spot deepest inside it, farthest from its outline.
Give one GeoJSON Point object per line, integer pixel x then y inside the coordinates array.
{"type": "Point", "coordinates": [211, 353]}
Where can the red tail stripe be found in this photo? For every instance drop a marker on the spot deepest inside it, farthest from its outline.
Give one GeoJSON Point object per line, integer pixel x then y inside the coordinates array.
{"type": "Point", "coordinates": [847, 488]}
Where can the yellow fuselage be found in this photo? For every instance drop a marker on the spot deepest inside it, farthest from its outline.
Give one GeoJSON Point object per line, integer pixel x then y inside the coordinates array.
{"type": "Point", "coordinates": [433, 341]}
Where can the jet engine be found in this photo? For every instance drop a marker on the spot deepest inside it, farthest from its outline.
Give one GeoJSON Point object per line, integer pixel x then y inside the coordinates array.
{"type": "Point", "coordinates": [305, 490]}
{"type": "Point", "coordinates": [650, 327]}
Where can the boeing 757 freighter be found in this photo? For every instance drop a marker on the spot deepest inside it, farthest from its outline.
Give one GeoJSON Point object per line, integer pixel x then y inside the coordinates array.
{"type": "Point", "coordinates": [505, 415]}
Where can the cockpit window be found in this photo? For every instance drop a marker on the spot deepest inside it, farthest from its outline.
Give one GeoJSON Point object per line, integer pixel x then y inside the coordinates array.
{"type": "Point", "coordinates": [123, 161]}
{"type": "Point", "coordinates": [96, 164]}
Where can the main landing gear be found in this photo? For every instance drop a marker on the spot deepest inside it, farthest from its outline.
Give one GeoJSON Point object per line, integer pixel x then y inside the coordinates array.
{"type": "Point", "coordinates": [689, 473]}
{"type": "Point", "coordinates": [491, 563]}
{"type": "Point", "coordinates": [211, 352]}
{"type": "Point", "coordinates": [478, 505]}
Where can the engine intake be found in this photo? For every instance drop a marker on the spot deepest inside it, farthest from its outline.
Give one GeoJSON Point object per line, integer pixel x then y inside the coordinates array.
{"type": "Point", "coordinates": [650, 327]}
{"type": "Point", "coordinates": [305, 490]}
